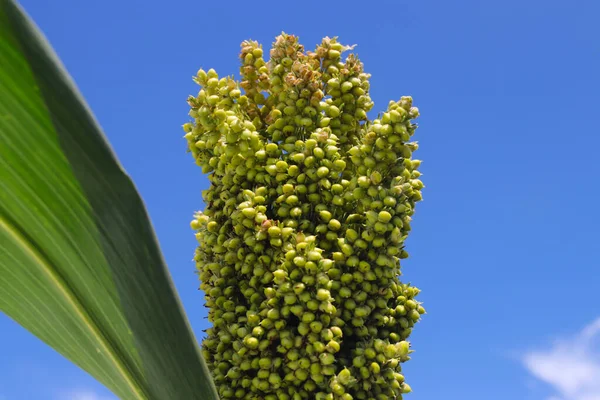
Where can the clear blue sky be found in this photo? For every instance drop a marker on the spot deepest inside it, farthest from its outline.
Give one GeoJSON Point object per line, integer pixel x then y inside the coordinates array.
{"type": "Point", "coordinates": [502, 246]}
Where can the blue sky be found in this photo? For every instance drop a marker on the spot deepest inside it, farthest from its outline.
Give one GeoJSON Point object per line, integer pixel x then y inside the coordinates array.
{"type": "Point", "coordinates": [502, 246]}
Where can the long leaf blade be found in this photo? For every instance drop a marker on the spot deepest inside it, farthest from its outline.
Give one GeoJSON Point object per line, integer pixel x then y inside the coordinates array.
{"type": "Point", "coordinates": [79, 263]}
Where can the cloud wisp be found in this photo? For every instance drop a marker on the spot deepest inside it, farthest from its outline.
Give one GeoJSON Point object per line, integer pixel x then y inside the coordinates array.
{"type": "Point", "coordinates": [571, 366]}
{"type": "Point", "coordinates": [85, 395]}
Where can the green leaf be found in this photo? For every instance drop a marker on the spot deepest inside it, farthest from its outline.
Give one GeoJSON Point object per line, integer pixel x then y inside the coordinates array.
{"type": "Point", "coordinates": [80, 266]}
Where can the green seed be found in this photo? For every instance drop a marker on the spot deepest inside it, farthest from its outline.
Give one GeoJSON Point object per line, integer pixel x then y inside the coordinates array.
{"type": "Point", "coordinates": [334, 225]}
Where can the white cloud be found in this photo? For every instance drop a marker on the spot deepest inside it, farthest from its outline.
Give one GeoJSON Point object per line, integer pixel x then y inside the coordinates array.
{"type": "Point", "coordinates": [571, 366]}
{"type": "Point", "coordinates": [84, 395]}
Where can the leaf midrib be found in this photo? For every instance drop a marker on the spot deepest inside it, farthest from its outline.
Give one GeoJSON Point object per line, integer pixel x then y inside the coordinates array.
{"type": "Point", "coordinates": [72, 300]}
